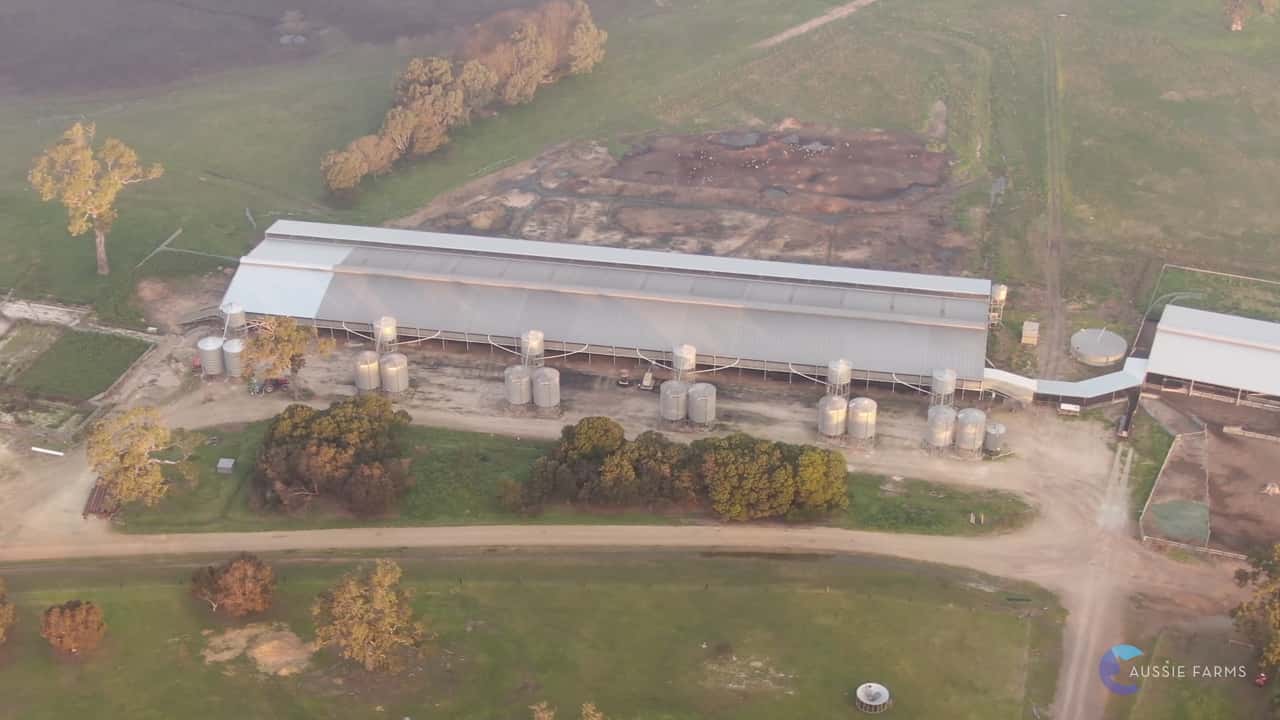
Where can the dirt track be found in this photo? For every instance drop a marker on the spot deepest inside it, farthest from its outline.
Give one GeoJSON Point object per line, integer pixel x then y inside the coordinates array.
{"type": "Point", "coordinates": [830, 16]}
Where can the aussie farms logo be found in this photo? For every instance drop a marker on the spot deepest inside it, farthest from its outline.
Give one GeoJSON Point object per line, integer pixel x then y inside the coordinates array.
{"type": "Point", "coordinates": [1125, 682]}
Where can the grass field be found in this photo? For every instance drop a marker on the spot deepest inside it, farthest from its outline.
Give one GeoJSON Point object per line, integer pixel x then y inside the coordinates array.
{"type": "Point", "coordinates": [79, 365]}
{"type": "Point", "coordinates": [1151, 443]}
{"type": "Point", "coordinates": [458, 475]}
{"type": "Point", "coordinates": [515, 630]}
{"type": "Point", "coordinates": [1193, 698]}
{"type": "Point", "coordinates": [20, 347]}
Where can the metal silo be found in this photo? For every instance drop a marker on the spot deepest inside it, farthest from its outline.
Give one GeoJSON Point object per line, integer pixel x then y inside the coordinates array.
{"type": "Point", "coordinates": [942, 388]}
{"type": "Point", "coordinates": [994, 442]}
{"type": "Point", "coordinates": [839, 375]}
{"type": "Point", "coordinates": [999, 293]}
{"type": "Point", "coordinates": [367, 375]}
{"type": "Point", "coordinates": [684, 358]}
{"type": "Point", "coordinates": [385, 331]}
{"type": "Point", "coordinates": [233, 357]}
{"type": "Point", "coordinates": [673, 400]}
{"type": "Point", "coordinates": [942, 427]}
{"type": "Point", "coordinates": [546, 387]}
{"type": "Point", "coordinates": [233, 318]}
{"type": "Point", "coordinates": [210, 349]}
{"type": "Point", "coordinates": [702, 403]}
{"type": "Point", "coordinates": [971, 429]}
{"type": "Point", "coordinates": [394, 372]}
{"type": "Point", "coordinates": [833, 412]}
{"type": "Point", "coordinates": [862, 419]}
{"type": "Point", "coordinates": [518, 382]}
{"type": "Point", "coordinates": [532, 348]}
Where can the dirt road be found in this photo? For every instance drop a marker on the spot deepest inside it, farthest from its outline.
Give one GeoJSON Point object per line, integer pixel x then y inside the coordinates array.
{"type": "Point", "coordinates": [1053, 339]}
{"type": "Point", "coordinates": [830, 16]}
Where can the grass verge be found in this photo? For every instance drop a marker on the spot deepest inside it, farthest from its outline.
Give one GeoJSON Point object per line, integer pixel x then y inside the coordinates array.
{"type": "Point", "coordinates": [643, 635]}
{"type": "Point", "coordinates": [1151, 443]}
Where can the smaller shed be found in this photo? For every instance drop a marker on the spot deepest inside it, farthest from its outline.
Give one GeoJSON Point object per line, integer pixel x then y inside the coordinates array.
{"type": "Point", "coordinates": [1030, 332]}
{"type": "Point", "coordinates": [226, 465]}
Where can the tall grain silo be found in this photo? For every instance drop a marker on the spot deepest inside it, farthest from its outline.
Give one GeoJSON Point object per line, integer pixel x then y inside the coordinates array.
{"type": "Point", "coordinates": [385, 331]}
{"type": "Point", "coordinates": [368, 376]}
{"type": "Point", "coordinates": [862, 419]}
{"type": "Point", "coordinates": [971, 429]}
{"type": "Point", "coordinates": [517, 380]}
{"type": "Point", "coordinates": [833, 412]}
{"type": "Point", "coordinates": [233, 319]}
{"type": "Point", "coordinates": [393, 369]}
{"type": "Point", "coordinates": [684, 359]}
{"type": "Point", "coordinates": [673, 400]}
{"type": "Point", "coordinates": [546, 387]}
{"type": "Point", "coordinates": [942, 387]}
{"type": "Point", "coordinates": [702, 403]}
{"type": "Point", "coordinates": [532, 348]}
{"type": "Point", "coordinates": [210, 350]}
{"type": "Point", "coordinates": [839, 375]}
{"type": "Point", "coordinates": [233, 357]}
{"type": "Point", "coordinates": [941, 428]}
{"type": "Point", "coordinates": [993, 444]}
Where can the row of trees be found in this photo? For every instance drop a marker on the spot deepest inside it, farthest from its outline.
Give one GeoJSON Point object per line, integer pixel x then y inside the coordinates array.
{"type": "Point", "coordinates": [436, 94]}
{"type": "Point", "coordinates": [738, 477]}
{"type": "Point", "coordinates": [349, 452]}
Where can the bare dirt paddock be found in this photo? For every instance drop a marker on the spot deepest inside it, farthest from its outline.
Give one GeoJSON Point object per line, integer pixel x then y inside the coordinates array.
{"type": "Point", "coordinates": [1241, 517]}
{"type": "Point", "coordinates": [796, 192]}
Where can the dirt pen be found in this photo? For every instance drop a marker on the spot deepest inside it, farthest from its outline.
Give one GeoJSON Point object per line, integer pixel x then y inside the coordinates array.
{"type": "Point", "coordinates": [1211, 494]}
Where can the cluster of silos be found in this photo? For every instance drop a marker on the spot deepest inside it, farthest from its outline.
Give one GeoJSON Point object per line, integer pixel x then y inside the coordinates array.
{"type": "Point", "coordinates": [967, 431]}
{"type": "Point", "coordinates": [531, 381]}
{"type": "Point", "coordinates": [838, 416]}
{"type": "Point", "coordinates": [219, 356]}
{"type": "Point", "coordinates": [388, 372]}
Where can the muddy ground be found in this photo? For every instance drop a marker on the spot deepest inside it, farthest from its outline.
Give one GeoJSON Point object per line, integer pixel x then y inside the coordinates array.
{"type": "Point", "coordinates": [52, 46]}
{"type": "Point", "coordinates": [803, 193]}
{"type": "Point", "coordinates": [1241, 517]}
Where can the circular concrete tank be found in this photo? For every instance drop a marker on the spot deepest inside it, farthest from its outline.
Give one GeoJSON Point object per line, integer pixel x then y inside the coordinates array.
{"type": "Point", "coordinates": [1098, 347]}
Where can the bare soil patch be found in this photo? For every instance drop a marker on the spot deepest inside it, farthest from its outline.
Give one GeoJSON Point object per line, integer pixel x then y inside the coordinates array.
{"type": "Point", "coordinates": [273, 648]}
{"type": "Point", "coordinates": [802, 193]}
{"type": "Point", "coordinates": [166, 302]}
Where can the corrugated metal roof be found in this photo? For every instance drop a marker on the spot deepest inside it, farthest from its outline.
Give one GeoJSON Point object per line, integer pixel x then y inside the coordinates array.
{"type": "Point", "coordinates": [1224, 350]}
{"type": "Point", "coordinates": [622, 304]}
{"type": "Point", "coordinates": [595, 254]}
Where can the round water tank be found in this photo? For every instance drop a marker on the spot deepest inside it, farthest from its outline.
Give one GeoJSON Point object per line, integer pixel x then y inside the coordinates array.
{"type": "Point", "coordinates": [394, 372]}
{"type": "Point", "coordinates": [839, 372]}
{"type": "Point", "coordinates": [872, 698]}
{"type": "Point", "coordinates": [944, 382]}
{"type": "Point", "coordinates": [518, 382]}
{"type": "Point", "coordinates": [684, 358]}
{"type": "Point", "coordinates": [385, 330]}
{"type": "Point", "coordinates": [833, 413]}
{"type": "Point", "coordinates": [971, 430]}
{"type": "Point", "coordinates": [702, 403]}
{"type": "Point", "coordinates": [233, 357]}
{"type": "Point", "coordinates": [233, 315]}
{"type": "Point", "coordinates": [994, 442]}
{"type": "Point", "coordinates": [532, 344]}
{"type": "Point", "coordinates": [546, 387]}
{"type": "Point", "coordinates": [942, 427]}
{"type": "Point", "coordinates": [1098, 347]}
{"type": "Point", "coordinates": [862, 418]}
{"type": "Point", "coordinates": [210, 349]}
{"type": "Point", "coordinates": [999, 293]}
{"type": "Point", "coordinates": [673, 400]}
{"type": "Point", "coordinates": [367, 374]}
